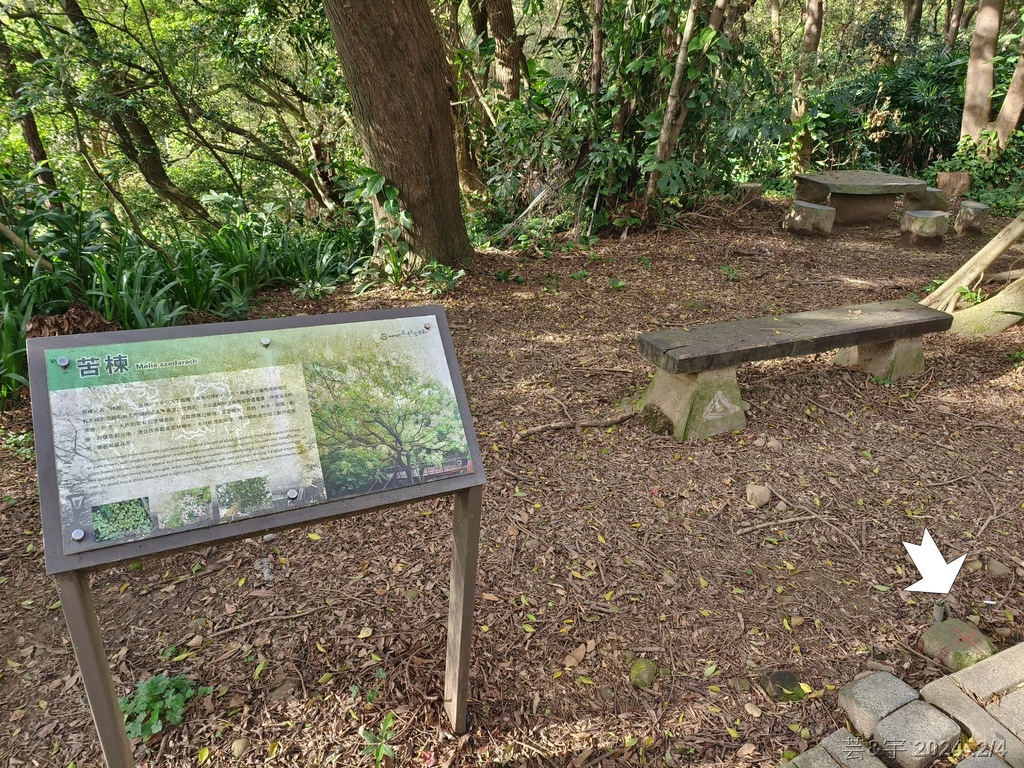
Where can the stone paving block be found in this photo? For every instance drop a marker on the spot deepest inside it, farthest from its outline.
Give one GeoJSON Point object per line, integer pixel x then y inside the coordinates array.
{"type": "Point", "coordinates": [1009, 710]}
{"type": "Point", "coordinates": [816, 757]}
{"type": "Point", "coordinates": [994, 675]}
{"type": "Point", "coordinates": [916, 735]}
{"type": "Point", "coordinates": [868, 700]}
{"type": "Point", "coordinates": [957, 644]}
{"type": "Point", "coordinates": [847, 750]}
{"type": "Point", "coordinates": [988, 732]}
{"type": "Point", "coordinates": [981, 761]}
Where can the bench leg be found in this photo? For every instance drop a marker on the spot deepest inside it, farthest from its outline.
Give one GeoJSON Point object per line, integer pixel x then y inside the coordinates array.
{"type": "Point", "coordinates": [889, 360]}
{"type": "Point", "coordinates": [691, 406]}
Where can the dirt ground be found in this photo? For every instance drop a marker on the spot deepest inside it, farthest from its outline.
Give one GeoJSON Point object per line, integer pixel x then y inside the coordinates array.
{"type": "Point", "coordinates": [599, 545]}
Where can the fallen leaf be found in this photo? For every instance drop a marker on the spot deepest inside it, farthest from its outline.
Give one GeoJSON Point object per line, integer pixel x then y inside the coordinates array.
{"type": "Point", "coordinates": [574, 658]}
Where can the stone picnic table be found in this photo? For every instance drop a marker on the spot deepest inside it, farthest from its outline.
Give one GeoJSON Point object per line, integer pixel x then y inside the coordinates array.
{"type": "Point", "coordinates": [857, 196]}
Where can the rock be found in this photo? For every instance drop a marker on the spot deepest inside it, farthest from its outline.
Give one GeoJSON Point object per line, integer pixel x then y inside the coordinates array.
{"type": "Point", "coordinates": [757, 495]}
{"type": "Point", "coordinates": [858, 208]}
{"type": "Point", "coordinates": [783, 685]}
{"type": "Point", "coordinates": [759, 443]}
{"type": "Point", "coordinates": [239, 747]}
{"type": "Point", "coordinates": [806, 218]}
{"type": "Point", "coordinates": [954, 183]}
{"type": "Point", "coordinates": [412, 595]}
{"type": "Point", "coordinates": [932, 199]}
{"type": "Point", "coordinates": [748, 192]}
{"type": "Point", "coordinates": [925, 225]}
{"type": "Point", "coordinates": [608, 694]}
{"type": "Point", "coordinates": [642, 673]}
{"type": "Point", "coordinates": [781, 507]}
{"type": "Point", "coordinates": [974, 565]}
{"type": "Point", "coordinates": [956, 643]}
{"type": "Point", "coordinates": [1020, 572]}
{"type": "Point", "coordinates": [972, 217]}
{"type": "Point", "coordinates": [269, 538]}
{"type": "Point", "coordinates": [997, 568]}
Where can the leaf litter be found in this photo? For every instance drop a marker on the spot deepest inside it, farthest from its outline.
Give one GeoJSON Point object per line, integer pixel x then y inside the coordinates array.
{"type": "Point", "coordinates": [610, 543]}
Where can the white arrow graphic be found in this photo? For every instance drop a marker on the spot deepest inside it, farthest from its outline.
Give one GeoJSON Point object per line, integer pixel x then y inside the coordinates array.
{"type": "Point", "coordinates": [936, 574]}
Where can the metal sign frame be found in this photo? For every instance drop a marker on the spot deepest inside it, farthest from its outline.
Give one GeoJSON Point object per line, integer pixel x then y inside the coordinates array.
{"type": "Point", "coordinates": [71, 568]}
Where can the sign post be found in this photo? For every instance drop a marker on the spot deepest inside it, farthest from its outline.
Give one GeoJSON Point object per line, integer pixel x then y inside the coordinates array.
{"type": "Point", "coordinates": [155, 441]}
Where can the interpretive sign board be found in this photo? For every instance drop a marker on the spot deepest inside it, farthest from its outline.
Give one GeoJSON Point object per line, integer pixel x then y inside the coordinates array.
{"type": "Point", "coordinates": [158, 440]}
{"type": "Point", "coordinates": [170, 438]}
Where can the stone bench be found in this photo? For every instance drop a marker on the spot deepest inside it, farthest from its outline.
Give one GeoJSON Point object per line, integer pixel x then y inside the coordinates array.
{"type": "Point", "coordinates": [857, 196]}
{"type": "Point", "coordinates": [694, 393]}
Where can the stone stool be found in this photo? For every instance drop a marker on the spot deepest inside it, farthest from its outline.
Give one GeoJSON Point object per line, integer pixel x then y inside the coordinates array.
{"type": "Point", "coordinates": [925, 225]}
{"type": "Point", "coordinates": [806, 218]}
{"type": "Point", "coordinates": [971, 218]}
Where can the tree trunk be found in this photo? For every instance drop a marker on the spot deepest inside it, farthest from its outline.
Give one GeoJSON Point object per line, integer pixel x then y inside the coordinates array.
{"type": "Point", "coordinates": [403, 116]}
{"type": "Point", "coordinates": [912, 10]}
{"type": "Point", "coordinates": [813, 22]}
{"type": "Point", "coordinates": [29, 129]}
{"type": "Point", "coordinates": [980, 70]}
{"type": "Point", "coordinates": [666, 144]}
{"type": "Point", "coordinates": [509, 47]}
{"type": "Point", "coordinates": [992, 315]}
{"type": "Point", "coordinates": [1012, 109]}
{"type": "Point", "coordinates": [776, 17]}
{"type": "Point", "coordinates": [953, 25]}
{"type": "Point", "coordinates": [945, 296]}
{"type": "Point", "coordinates": [597, 52]}
{"type": "Point", "coordinates": [134, 137]}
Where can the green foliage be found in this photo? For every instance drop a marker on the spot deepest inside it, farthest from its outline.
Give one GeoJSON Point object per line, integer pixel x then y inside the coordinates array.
{"type": "Point", "coordinates": [120, 519]}
{"type": "Point", "coordinates": [970, 297]}
{"type": "Point", "coordinates": [378, 743]}
{"type": "Point", "coordinates": [732, 273]}
{"type": "Point", "coordinates": [440, 279]}
{"type": "Point", "coordinates": [506, 276]}
{"type": "Point", "coordinates": [997, 176]}
{"type": "Point", "coordinates": [20, 444]}
{"type": "Point", "coordinates": [615, 284]}
{"type": "Point", "coordinates": [158, 701]}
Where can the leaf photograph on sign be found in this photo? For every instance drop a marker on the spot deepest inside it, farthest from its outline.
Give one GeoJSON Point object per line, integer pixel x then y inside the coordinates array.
{"type": "Point", "coordinates": [121, 519]}
{"type": "Point", "coordinates": [382, 423]}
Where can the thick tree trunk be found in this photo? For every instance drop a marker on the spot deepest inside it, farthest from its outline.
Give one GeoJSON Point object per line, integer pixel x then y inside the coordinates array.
{"type": "Point", "coordinates": [813, 22]}
{"type": "Point", "coordinates": [403, 116]}
{"type": "Point", "coordinates": [953, 20]}
{"type": "Point", "coordinates": [912, 11]}
{"type": "Point", "coordinates": [1012, 110]}
{"type": "Point", "coordinates": [980, 70]}
{"type": "Point", "coordinates": [992, 315]}
{"type": "Point", "coordinates": [29, 129]}
{"type": "Point", "coordinates": [945, 296]}
{"type": "Point", "coordinates": [509, 47]}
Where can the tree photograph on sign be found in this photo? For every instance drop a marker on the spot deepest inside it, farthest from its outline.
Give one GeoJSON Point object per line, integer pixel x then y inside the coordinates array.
{"type": "Point", "coordinates": [382, 424]}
